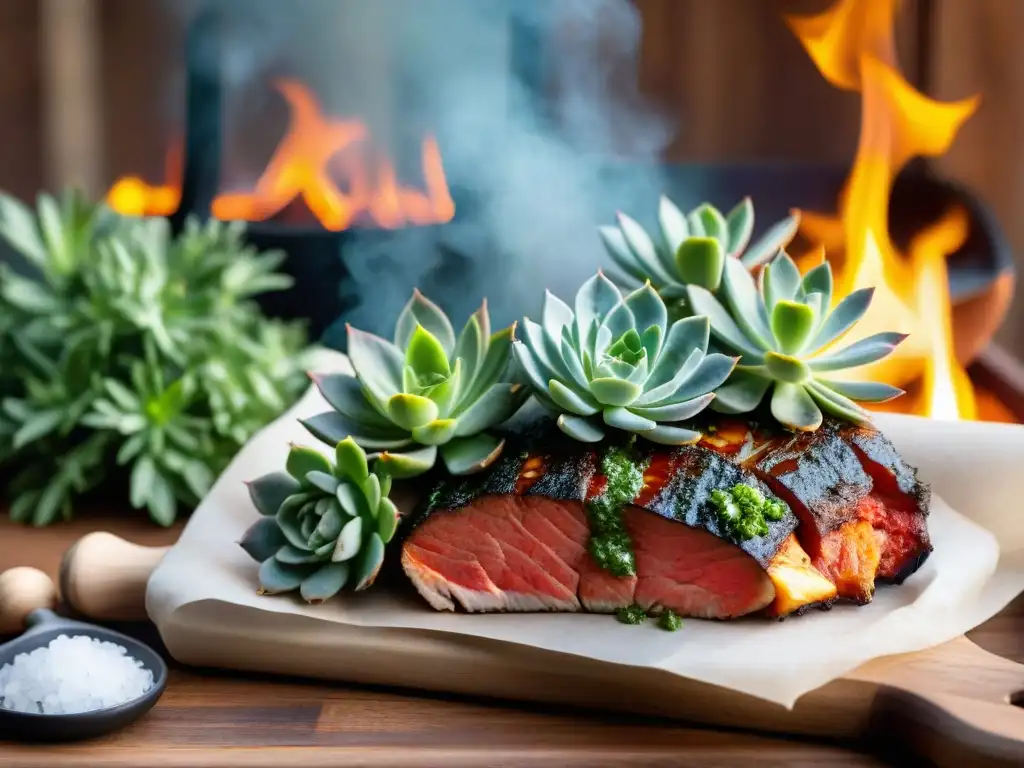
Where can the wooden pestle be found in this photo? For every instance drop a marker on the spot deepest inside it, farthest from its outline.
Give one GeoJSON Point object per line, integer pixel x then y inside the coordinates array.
{"type": "Point", "coordinates": [104, 577]}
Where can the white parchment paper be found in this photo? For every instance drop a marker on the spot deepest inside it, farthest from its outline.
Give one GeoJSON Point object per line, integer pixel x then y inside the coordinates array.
{"type": "Point", "coordinates": [976, 524]}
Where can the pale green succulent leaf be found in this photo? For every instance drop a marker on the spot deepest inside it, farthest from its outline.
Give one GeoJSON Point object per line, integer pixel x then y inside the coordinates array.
{"type": "Point", "coordinates": [420, 310]}
{"type": "Point", "coordinates": [470, 348]}
{"type": "Point", "coordinates": [345, 394]}
{"type": "Point", "coordinates": [332, 427]}
{"type": "Point", "coordinates": [372, 493]}
{"type": "Point", "coordinates": [665, 434]}
{"type": "Point", "coordinates": [713, 370]}
{"type": "Point", "coordinates": [377, 363]}
{"type": "Point", "coordinates": [387, 519]}
{"type": "Point", "coordinates": [740, 222]}
{"type": "Point", "coordinates": [833, 403]}
{"type": "Point", "coordinates": [580, 428]}
{"type": "Point", "coordinates": [349, 539]}
{"type": "Point", "coordinates": [467, 455]}
{"type": "Point", "coordinates": [841, 319]}
{"type": "Point", "coordinates": [612, 391]}
{"type": "Point", "coordinates": [700, 261]}
{"type": "Point", "coordinates": [495, 406]}
{"type": "Point", "coordinates": [674, 230]}
{"type": "Point", "coordinates": [277, 578]}
{"type": "Point", "coordinates": [594, 300]}
{"type": "Point", "coordinates": [350, 461]}
{"type": "Point", "coordinates": [581, 404]}
{"type": "Point", "coordinates": [792, 325]}
{"type": "Point", "coordinates": [786, 368]}
{"type": "Point", "coordinates": [323, 481]}
{"type": "Point", "coordinates": [696, 224]}
{"type": "Point", "coordinates": [290, 555]}
{"type": "Point", "coordinates": [863, 391]}
{"type": "Point", "coordinates": [618, 249]}
{"type": "Point", "coordinates": [302, 460]}
{"type": "Point", "coordinates": [647, 308]}
{"type": "Point", "coordinates": [324, 583]}
{"type": "Point", "coordinates": [819, 280]}
{"type": "Point", "coordinates": [493, 367]}
{"type": "Point", "coordinates": [611, 368]}
{"type": "Point", "coordinates": [781, 280]}
{"type": "Point", "coordinates": [367, 565]}
{"type": "Point", "coordinates": [620, 418]}
{"type": "Point", "coordinates": [643, 248]}
{"type": "Point", "coordinates": [684, 337]}
{"type": "Point", "coordinates": [437, 432]}
{"type": "Point", "coordinates": [664, 392]}
{"type": "Point", "coordinates": [742, 392]}
{"type": "Point", "coordinates": [746, 305]}
{"type": "Point", "coordinates": [262, 539]}
{"type": "Point", "coordinates": [862, 352]}
{"type": "Point", "coordinates": [651, 341]}
{"type": "Point", "coordinates": [681, 411]}
{"type": "Point", "coordinates": [793, 407]}
{"type": "Point", "coordinates": [351, 500]}
{"type": "Point", "coordinates": [777, 237]}
{"type": "Point", "coordinates": [408, 463]}
{"type": "Point", "coordinates": [527, 363]}
{"type": "Point", "coordinates": [411, 411]}
{"type": "Point", "coordinates": [546, 352]}
{"type": "Point", "coordinates": [714, 223]}
{"type": "Point", "coordinates": [723, 328]}
{"type": "Point", "coordinates": [269, 492]}
{"type": "Point", "coordinates": [425, 354]}
{"type": "Point", "coordinates": [556, 315]}
{"type": "Point", "coordinates": [288, 519]}
{"type": "Point", "coordinates": [448, 393]}
{"type": "Point", "coordinates": [618, 322]}
{"type": "Point", "coordinates": [572, 361]}
{"type": "Point", "coordinates": [639, 374]}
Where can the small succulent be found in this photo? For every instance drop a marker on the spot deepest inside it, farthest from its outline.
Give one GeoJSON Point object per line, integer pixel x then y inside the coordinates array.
{"type": "Point", "coordinates": [325, 525]}
{"type": "Point", "coordinates": [781, 328]}
{"type": "Point", "coordinates": [427, 393]}
{"type": "Point", "coordinates": [691, 248]}
{"type": "Point", "coordinates": [617, 361]}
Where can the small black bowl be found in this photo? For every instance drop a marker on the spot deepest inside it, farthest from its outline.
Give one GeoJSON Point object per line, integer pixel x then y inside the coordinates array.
{"type": "Point", "coordinates": [44, 627]}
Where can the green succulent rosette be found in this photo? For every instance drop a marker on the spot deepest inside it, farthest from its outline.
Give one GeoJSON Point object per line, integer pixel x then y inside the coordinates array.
{"type": "Point", "coordinates": [690, 248]}
{"type": "Point", "coordinates": [616, 361]}
{"type": "Point", "coordinates": [325, 525]}
{"type": "Point", "coordinates": [426, 393]}
{"type": "Point", "coordinates": [783, 329]}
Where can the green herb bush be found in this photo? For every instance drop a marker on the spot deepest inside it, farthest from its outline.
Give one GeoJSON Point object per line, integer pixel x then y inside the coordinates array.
{"type": "Point", "coordinates": [133, 357]}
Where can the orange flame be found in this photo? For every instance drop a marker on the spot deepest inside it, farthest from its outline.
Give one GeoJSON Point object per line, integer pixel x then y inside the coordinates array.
{"type": "Point", "coordinates": [300, 169]}
{"type": "Point", "coordinates": [853, 46]}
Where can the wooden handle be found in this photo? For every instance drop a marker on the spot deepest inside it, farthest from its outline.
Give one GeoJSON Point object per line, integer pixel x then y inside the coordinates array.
{"type": "Point", "coordinates": [23, 590]}
{"type": "Point", "coordinates": [956, 704]}
{"type": "Point", "coordinates": [104, 577]}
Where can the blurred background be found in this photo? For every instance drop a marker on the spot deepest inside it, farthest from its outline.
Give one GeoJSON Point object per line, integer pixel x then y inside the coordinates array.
{"type": "Point", "coordinates": [92, 90]}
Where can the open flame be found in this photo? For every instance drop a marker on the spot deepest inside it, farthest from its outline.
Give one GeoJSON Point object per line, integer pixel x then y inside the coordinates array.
{"type": "Point", "coordinates": [853, 46]}
{"type": "Point", "coordinates": [307, 166]}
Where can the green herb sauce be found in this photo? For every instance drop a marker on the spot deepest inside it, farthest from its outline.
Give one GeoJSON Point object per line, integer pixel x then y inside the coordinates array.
{"type": "Point", "coordinates": [632, 614]}
{"type": "Point", "coordinates": [670, 620]}
{"type": "Point", "coordinates": [609, 543]}
{"type": "Point", "coordinates": [744, 512]}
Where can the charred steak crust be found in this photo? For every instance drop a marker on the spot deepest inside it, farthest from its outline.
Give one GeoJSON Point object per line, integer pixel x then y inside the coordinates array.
{"type": "Point", "coordinates": [876, 449]}
{"type": "Point", "coordinates": [566, 469]}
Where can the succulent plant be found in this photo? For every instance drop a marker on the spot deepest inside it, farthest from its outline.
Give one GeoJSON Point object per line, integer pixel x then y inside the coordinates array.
{"type": "Point", "coordinates": [617, 361]}
{"type": "Point", "coordinates": [325, 525]}
{"type": "Point", "coordinates": [427, 393]}
{"type": "Point", "coordinates": [782, 328]}
{"type": "Point", "coordinates": [691, 248]}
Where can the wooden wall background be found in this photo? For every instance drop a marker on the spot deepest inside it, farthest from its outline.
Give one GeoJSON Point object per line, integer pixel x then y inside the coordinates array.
{"type": "Point", "coordinates": [730, 70]}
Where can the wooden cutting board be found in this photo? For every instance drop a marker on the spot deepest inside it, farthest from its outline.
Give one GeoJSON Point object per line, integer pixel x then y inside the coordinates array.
{"type": "Point", "coordinates": [951, 704]}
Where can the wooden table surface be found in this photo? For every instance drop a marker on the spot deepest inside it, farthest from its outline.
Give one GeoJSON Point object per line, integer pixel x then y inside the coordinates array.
{"type": "Point", "coordinates": [221, 719]}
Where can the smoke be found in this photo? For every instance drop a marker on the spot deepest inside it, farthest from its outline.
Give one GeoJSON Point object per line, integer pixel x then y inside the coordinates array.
{"type": "Point", "coordinates": [534, 103]}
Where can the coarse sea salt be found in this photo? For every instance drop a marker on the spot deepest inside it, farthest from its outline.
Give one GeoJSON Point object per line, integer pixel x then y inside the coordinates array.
{"type": "Point", "coordinates": [72, 674]}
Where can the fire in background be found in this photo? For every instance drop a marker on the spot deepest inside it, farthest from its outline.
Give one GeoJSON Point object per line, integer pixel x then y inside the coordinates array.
{"type": "Point", "coordinates": [326, 164]}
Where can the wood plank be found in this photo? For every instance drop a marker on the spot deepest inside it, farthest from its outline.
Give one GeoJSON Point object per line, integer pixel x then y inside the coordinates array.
{"type": "Point", "coordinates": [21, 147]}
{"type": "Point", "coordinates": [977, 50]}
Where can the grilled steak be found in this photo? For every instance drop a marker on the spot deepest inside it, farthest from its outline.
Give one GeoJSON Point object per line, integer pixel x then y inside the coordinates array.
{"type": "Point", "coordinates": [563, 526]}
